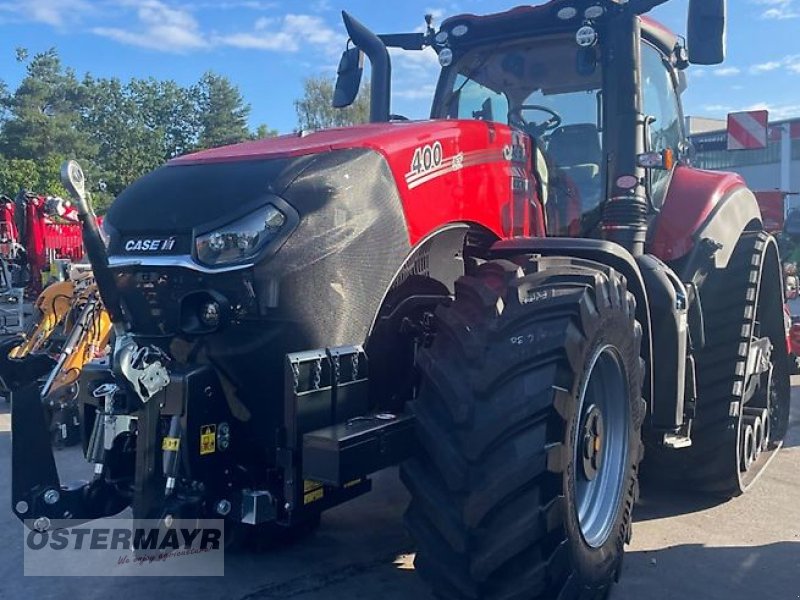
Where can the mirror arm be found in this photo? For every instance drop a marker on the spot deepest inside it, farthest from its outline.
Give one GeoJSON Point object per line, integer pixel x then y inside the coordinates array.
{"type": "Point", "coordinates": [405, 41]}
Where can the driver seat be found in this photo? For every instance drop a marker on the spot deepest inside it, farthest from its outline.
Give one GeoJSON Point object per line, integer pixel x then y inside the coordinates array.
{"type": "Point", "coordinates": [576, 151]}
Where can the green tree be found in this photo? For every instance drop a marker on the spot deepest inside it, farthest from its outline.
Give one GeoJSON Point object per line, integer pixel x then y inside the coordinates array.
{"type": "Point", "coordinates": [41, 177]}
{"type": "Point", "coordinates": [169, 109]}
{"type": "Point", "coordinates": [5, 98]}
{"type": "Point", "coordinates": [315, 109]}
{"type": "Point", "coordinates": [222, 112]}
{"type": "Point", "coordinates": [265, 131]}
{"type": "Point", "coordinates": [16, 174]}
{"type": "Point", "coordinates": [127, 146]}
{"type": "Point", "coordinates": [48, 181]}
{"type": "Point", "coordinates": [119, 130]}
{"type": "Point", "coordinates": [44, 113]}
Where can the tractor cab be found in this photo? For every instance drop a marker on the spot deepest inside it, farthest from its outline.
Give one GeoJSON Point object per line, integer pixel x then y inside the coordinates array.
{"type": "Point", "coordinates": [596, 86]}
{"type": "Point", "coordinates": [550, 88]}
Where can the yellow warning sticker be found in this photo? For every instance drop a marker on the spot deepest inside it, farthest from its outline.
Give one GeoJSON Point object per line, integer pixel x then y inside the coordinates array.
{"type": "Point", "coordinates": [314, 496]}
{"type": "Point", "coordinates": [310, 486]}
{"type": "Point", "coordinates": [208, 439]}
{"type": "Point", "coordinates": [312, 491]}
{"type": "Point", "coordinates": [171, 444]}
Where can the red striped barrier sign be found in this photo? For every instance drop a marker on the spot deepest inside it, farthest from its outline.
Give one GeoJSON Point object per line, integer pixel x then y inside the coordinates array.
{"type": "Point", "coordinates": [748, 130]}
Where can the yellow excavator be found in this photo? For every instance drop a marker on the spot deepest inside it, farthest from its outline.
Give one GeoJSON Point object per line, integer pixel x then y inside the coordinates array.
{"type": "Point", "coordinates": [74, 308]}
{"type": "Point", "coordinates": [49, 311]}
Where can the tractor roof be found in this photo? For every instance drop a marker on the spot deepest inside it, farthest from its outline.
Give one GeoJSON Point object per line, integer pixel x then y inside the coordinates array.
{"type": "Point", "coordinates": [522, 20]}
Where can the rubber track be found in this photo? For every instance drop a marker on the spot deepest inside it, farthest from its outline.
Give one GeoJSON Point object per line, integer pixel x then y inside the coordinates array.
{"type": "Point", "coordinates": [730, 303]}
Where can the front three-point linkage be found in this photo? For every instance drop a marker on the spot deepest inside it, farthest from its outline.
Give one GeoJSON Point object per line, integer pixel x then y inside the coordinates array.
{"type": "Point", "coordinates": [140, 372]}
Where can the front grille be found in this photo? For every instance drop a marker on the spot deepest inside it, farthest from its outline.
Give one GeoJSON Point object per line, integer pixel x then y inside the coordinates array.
{"type": "Point", "coordinates": [153, 298]}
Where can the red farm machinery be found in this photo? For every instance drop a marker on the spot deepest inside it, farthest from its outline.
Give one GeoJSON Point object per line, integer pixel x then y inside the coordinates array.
{"type": "Point", "coordinates": [511, 300]}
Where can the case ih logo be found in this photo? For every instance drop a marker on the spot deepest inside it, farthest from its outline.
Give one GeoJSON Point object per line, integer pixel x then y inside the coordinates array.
{"type": "Point", "coordinates": [150, 245]}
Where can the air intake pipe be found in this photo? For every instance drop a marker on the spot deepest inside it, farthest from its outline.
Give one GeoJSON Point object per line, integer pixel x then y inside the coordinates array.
{"type": "Point", "coordinates": [625, 222]}
{"type": "Point", "coordinates": [73, 180]}
{"type": "Point", "coordinates": [381, 83]}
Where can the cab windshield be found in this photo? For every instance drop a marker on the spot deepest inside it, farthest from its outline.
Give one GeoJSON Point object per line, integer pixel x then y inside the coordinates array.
{"type": "Point", "coordinates": [551, 89]}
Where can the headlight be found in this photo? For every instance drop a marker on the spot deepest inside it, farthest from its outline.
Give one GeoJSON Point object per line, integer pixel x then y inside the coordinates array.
{"type": "Point", "coordinates": [242, 239]}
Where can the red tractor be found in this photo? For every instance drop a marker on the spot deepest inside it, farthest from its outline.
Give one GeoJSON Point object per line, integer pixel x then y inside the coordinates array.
{"type": "Point", "coordinates": [511, 299]}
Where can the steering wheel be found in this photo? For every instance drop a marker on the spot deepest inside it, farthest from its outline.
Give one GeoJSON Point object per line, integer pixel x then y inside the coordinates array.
{"type": "Point", "coordinates": [539, 129]}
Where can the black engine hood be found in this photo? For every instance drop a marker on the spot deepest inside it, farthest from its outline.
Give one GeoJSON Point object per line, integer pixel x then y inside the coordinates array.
{"type": "Point", "coordinates": [177, 199]}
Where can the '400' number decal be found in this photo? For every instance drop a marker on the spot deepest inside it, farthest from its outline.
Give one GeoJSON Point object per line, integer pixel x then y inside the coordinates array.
{"type": "Point", "coordinates": [427, 158]}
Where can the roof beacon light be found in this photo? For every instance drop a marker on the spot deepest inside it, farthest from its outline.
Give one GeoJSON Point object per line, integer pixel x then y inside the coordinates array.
{"type": "Point", "coordinates": [586, 36]}
{"type": "Point", "coordinates": [446, 57]}
{"type": "Point", "coordinates": [594, 12]}
{"type": "Point", "coordinates": [567, 13]}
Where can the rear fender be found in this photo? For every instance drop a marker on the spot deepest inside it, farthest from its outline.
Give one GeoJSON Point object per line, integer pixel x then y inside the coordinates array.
{"type": "Point", "coordinates": [703, 205]}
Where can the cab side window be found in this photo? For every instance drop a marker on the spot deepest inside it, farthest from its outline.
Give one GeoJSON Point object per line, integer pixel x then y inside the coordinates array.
{"type": "Point", "coordinates": [474, 101]}
{"type": "Point", "coordinates": [662, 105]}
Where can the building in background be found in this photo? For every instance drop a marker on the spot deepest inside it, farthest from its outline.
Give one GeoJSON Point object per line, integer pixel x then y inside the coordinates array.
{"type": "Point", "coordinates": [761, 168]}
{"type": "Point", "coordinates": [695, 125]}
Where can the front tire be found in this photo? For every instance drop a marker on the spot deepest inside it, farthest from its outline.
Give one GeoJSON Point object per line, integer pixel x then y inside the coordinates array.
{"type": "Point", "coordinates": [529, 415]}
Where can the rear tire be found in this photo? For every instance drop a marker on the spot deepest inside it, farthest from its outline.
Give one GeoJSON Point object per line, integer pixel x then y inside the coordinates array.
{"type": "Point", "coordinates": [507, 415]}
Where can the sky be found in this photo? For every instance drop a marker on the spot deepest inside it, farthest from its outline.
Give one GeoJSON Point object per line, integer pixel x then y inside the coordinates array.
{"type": "Point", "coordinates": [267, 47]}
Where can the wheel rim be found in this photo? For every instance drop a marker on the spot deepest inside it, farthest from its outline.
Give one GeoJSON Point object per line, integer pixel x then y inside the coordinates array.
{"type": "Point", "coordinates": [601, 446]}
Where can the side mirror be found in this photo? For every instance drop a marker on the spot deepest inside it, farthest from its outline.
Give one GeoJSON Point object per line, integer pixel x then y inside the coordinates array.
{"type": "Point", "coordinates": [707, 32]}
{"type": "Point", "coordinates": [348, 81]}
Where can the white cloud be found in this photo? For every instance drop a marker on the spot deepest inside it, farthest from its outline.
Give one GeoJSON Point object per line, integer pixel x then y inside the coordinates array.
{"type": "Point", "coordinates": [414, 63]}
{"type": "Point", "coordinates": [777, 112]}
{"type": "Point", "coordinates": [424, 92]}
{"type": "Point", "coordinates": [258, 5]}
{"type": "Point", "coordinates": [727, 71]}
{"type": "Point", "coordinates": [288, 34]}
{"type": "Point", "coordinates": [779, 9]}
{"type": "Point", "coordinates": [790, 63]}
{"type": "Point", "coordinates": [51, 12]}
{"type": "Point", "coordinates": [160, 27]}
{"type": "Point", "coordinates": [766, 67]}
{"type": "Point", "coordinates": [717, 108]}
{"type": "Point", "coordinates": [319, 6]}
